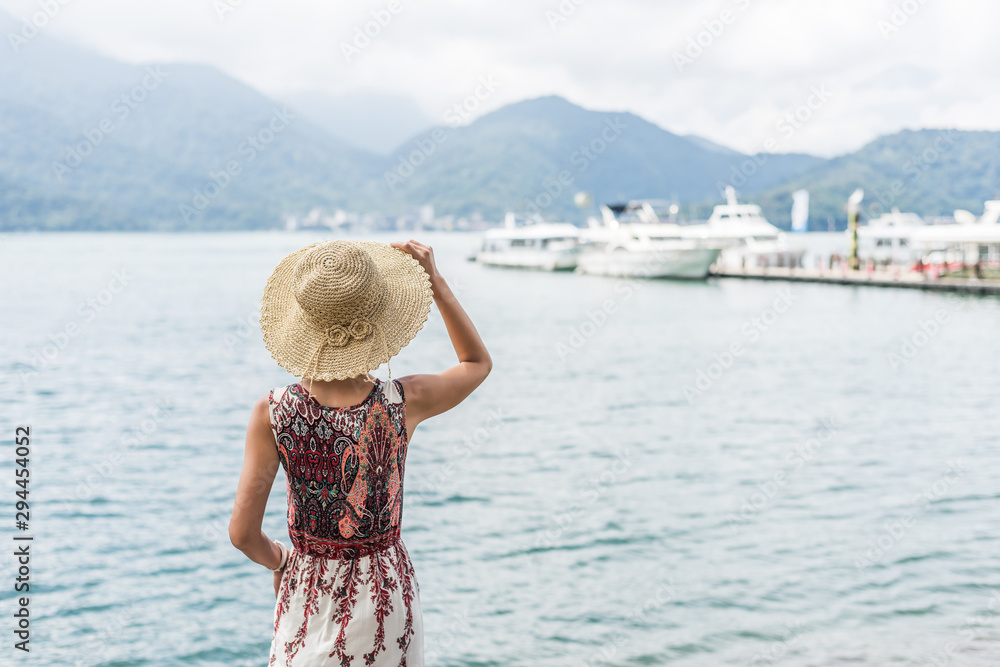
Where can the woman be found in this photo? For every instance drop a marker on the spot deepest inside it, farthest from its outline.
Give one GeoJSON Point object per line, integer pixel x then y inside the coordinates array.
{"type": "Point", "coordinates": [346, 591]}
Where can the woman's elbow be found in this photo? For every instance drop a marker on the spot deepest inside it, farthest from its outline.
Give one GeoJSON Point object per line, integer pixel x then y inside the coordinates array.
{"type": "Point", "coordinates": [237, 536]}
{"type": "Point", "coordinates": [484, 365]}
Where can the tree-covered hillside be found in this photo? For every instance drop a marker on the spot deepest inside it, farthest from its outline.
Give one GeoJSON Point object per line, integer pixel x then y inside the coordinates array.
{"type": "Point", "coordinates": [89, 143]}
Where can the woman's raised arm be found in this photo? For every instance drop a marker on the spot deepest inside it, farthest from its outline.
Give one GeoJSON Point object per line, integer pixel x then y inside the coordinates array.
{"type": "Point", "coordinates": [431, 394]}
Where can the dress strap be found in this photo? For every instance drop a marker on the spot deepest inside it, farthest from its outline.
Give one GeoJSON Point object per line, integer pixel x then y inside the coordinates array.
{"type": "Point", "coordinates": [391, 391]}
{"type": "Point", "coordinates": [273, 398]}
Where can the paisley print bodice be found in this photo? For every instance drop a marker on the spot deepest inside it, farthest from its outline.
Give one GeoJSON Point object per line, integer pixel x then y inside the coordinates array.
{"type": "Point", "coordinates": [344, 468]}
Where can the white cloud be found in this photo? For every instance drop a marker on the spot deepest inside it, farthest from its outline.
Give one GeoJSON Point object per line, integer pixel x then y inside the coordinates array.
{"type": "Point", "coordinates": [939, 68]}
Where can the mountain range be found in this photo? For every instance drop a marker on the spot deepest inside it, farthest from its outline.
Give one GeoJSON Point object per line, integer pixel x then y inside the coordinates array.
{"type": "Point", "coordinates": [90, 143]}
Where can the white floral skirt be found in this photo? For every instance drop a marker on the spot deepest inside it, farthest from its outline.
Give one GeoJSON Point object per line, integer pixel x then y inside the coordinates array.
{"type": "Point", "coordinates": [347, 612]}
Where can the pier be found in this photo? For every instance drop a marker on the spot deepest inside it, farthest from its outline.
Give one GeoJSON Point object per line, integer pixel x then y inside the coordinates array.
{"type": "Point", "coordinates": [904, 279]}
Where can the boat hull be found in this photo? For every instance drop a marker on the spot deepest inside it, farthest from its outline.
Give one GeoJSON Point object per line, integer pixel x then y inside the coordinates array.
{"type": "Point", "coordinates": [682, 263]}
{"type": "Point", "coordinates": [763, 256]}
{"type": "Point", "coordinates": [541, 261]}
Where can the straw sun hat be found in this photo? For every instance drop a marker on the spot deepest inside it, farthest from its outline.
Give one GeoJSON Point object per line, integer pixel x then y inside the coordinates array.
{"type": "Point", "coordinates": [338, 309]}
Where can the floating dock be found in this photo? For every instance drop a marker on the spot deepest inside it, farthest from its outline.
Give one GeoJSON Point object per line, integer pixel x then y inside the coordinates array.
{"type": "Point", "coordinates": [904, 279]}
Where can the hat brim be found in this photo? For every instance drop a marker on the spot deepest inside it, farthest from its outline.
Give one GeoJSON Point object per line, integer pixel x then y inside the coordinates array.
{"type": "Point", "coordinates": [294, 343]}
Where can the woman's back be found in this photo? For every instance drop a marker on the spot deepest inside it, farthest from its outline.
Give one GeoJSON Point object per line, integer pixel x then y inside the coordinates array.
{"type": "Point", "coordinates": [344, 468]}
{"type": "Point", "coordinates": [349, 592]}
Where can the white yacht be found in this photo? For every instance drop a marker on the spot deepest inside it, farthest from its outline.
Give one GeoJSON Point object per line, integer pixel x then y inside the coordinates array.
{"type": "Point", "coordinates": [533, 244]}
{"type": "Point", "coordinates": [972, 239]}
{"type": "Point", "coordinates": [890, 238]}
{"type": "Point", "coordinates": [746, 237]}
{"type": "Point", "coordinates": [638, 240]}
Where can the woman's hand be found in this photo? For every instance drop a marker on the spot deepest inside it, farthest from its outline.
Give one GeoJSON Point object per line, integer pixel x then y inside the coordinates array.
{"type": "Point", "coordinates": [277, 582]}
{"type": "Point", "coordinates": [422, 253]}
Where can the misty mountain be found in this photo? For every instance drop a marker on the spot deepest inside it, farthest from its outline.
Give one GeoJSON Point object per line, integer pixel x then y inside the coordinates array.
{"type": "Point", "coordinates": [372, 121]}
{"type": "Point", "coordinates": [179, 146]}
{"type": "Point", "coordinates": [534, 155]}
{"type": "Point", "coordinates": [87, 142]}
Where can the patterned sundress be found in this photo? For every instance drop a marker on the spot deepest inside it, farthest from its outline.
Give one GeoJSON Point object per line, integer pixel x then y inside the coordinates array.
{"type": "Point", "coordinates": [349, 595]}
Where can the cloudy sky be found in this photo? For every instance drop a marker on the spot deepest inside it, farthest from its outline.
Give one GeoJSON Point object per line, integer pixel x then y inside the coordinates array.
{"type": "Point", "coordinates": [728, 70]}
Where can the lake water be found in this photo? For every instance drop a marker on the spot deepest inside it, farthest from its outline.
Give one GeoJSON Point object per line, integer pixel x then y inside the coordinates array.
{"type": "Point", "coordinates": [656, 473]}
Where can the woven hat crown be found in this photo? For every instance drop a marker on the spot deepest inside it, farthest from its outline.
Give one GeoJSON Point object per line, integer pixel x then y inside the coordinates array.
{"type": "Point", "coordinates": [338, 282]}
{"type": "Point", "coordinates": [338, 309]}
